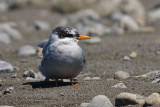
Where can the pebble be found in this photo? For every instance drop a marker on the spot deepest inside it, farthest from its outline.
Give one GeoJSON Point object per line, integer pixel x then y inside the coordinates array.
{"type": "Point", "coordinates": [30, 79]}
{"type": "Point", "coordinates": [3, 7]}
{"type": "Point", "coordinates": [27, 50]}
{"type": "Point", "coordinates": [155, 77]}
{"type": "Point", "coordinates": [126, 58]}
{"type": "Point", "coordinates": [121, 75]}
{"type": "Point", "coordinates": [153, 99]}
{"type": "Point", "coordinates": [10, 30]}
{"type": "Point", "coordinates": [87, 78]}
{"type": "Point", "coordinates": [129, 23]}
{"type": "Point", "coordinates": [119, 85]}
{"type": "Point", "coordinates": [13, 33]}
{"type": "Point", "coordinates": [157, 52]}
{"type": "Point", "coordinates": [153, 15]}
{"type": "Point", "coordinates": [93, 78]}
{"type": "Point", "coordinates": [100, 101]}
{"type": "Point", "coordinates": [8, 90]}
{"type": "Point", "coordinates": [94, 40]}
{"type": "Point", "coordinates": [149, 74]}
{"type": "Point", "coordinates": [63, 93]}
{"type": "Point", "coordinates": [42, 25]}
{"type": "Point", "coordinates": [30, 73]}
{"type": "Point", "coordinates": [5, 67]}
{"type": "Point", "coordinates": [133, 54]}
{"type": "Point", "coordinates": [6, 106]}
{"type": "Point", "coordinates": [84, 105]}
{"type": "Point", "coordinates": [14, 76]}
{"type": "Point", "coordinates": [125, 98]}
{"type": "Point", "coordinates": [4, 38]}
{"type": "Point", "coordinates": [128, 7]}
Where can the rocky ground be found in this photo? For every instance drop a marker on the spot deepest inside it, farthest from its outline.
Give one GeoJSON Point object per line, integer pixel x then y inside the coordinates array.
{"type": "Point", "coordinates": [131, 59]}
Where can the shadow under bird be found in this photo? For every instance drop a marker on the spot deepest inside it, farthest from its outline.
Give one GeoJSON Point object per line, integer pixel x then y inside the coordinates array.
{"type": "Point", "coordinates": [63, 58]}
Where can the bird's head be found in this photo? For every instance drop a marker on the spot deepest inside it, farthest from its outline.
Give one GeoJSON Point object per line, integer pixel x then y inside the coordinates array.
{"type": "Point", "coordinates": [69, 32]}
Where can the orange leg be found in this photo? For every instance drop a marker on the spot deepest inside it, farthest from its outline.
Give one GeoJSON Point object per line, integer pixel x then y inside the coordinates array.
{"type": "Point", "coordinates": [72, 83]}
{"type": "Point", "coordinates": [56, 82]}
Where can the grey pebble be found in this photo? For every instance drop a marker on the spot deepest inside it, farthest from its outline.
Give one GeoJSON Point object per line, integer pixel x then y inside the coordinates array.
{"type": "Point", "coordinates": [8, 90]}
{"type": "Point", "coordinates": [87, 78]}
{"type": "Point", "coordinates": [27, 50]}
{"type": "Point", "coordinates": [6, 106]}
{"type": "Point", "coordinates": [93, 78]}
{"type": "Point", "coordinates": [30, 79]}
{"type": "Point", "coordinates": [63, 93]}
{"type": "Point", "coordinates": [119, 85]}
{"type": "Point", "coordinates": [4, 38]}
{"type": "Point", "coordinates": [155, 77]}
{"type": "Point", "coordinates": [42, 25]}
{"type": "Point", "coordinates": [14, 76]}
{"type": "Point", "coordinates": [8, 28]}
{"type": "Point", "coordinates": [121, 75]}
{"type": "Point", "coordinates": [84, 105]}
{"type": "Point", "coordinates": [100, 101]}
{"type": "Point", "coordinates": [5, 67]}
{"type": "Point", "coordinates": [30, 73]}
{"type": "Point", "coordinates": [3, 7]}
{"type": "Point", "coordinates": [126, 58]}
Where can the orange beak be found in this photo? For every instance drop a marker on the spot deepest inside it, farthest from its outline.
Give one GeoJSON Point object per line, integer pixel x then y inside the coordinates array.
{"type": "Point", "coordinates": [83, 37]}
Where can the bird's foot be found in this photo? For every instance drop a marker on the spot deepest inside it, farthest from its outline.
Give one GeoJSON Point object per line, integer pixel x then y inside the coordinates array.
{"type": "Point", "coordinates": [75, 84]}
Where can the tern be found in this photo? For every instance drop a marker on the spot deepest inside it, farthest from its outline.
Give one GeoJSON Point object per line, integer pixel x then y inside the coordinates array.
{"type": "Point", "coordinates": [63, 58]}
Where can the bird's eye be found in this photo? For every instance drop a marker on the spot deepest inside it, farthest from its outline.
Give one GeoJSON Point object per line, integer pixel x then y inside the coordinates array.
{"type": "Point", "coordinates": [69, 35]}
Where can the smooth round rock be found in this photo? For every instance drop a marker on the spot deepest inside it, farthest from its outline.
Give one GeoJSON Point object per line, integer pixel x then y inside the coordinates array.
{"type": "Point", "coordinates": [5, 67]}
{"type": "Point", "coordinates": [125, 98]}
{"type": "Point", "coordinates": [129, 23]}
{"type": "Point", "coordinates": [153, 99]}
{"type": "Point", "coordinates": [126, 58]}
{"type": "Point", "coordinates": [121, 75]}
{"type": "Point", "coordinates": [100, 101]}
{"type": "Point", "coordinates": [42, 25]}
{"type": "Point", "coordinates": [27, 50]}
{"type": "Point", "coordinates": [4, 38]}
{"type": "Point", "coordinates": [133, 54]}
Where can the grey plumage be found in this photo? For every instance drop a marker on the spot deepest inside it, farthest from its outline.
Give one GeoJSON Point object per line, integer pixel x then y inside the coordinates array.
{"type": "Point", "coordinates": [62, 55]}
